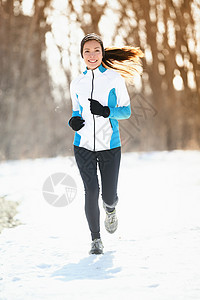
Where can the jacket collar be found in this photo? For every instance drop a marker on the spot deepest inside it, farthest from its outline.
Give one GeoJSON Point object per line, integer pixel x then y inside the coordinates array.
{"type": "Point", "coordinates": [96, 71]}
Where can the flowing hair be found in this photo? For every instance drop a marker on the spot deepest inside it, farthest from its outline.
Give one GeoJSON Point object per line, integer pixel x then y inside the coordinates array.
{"type": "Point", "coordinates": [125, 60]}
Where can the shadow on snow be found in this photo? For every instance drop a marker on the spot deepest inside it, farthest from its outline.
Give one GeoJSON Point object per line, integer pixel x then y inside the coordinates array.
{"type": "Point", "coordinates": [93, 267]}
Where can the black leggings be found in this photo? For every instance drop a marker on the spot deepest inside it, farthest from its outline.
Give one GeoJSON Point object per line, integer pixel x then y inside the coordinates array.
{"type": "Point", "coordinates": [108, 162]}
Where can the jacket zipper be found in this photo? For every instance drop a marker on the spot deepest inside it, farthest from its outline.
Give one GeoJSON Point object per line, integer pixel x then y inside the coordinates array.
{"type": "Point", "coordinates": [110, 124]}
{"type": "Point", "coordinates": [91, 98]}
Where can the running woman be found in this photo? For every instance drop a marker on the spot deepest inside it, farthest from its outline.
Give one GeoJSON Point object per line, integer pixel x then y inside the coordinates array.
{"type": "Point", "coordinates": [99, 99]}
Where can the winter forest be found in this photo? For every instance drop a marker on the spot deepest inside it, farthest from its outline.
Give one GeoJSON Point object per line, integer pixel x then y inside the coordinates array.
{"type": "Point", "coordinates": [40, 55]}
{"type": "Point", "coordinates": [45, 240]}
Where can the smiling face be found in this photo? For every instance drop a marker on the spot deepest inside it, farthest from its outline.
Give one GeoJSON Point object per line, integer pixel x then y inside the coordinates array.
{"type": "Point", "coordinates": [92, 54]}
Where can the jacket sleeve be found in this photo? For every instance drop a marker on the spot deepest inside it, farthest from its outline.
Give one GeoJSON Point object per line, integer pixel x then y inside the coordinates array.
{"type": "Point", "coordinates": [123, 108]}
{"type": "Point", "coordinates": [76, 111]}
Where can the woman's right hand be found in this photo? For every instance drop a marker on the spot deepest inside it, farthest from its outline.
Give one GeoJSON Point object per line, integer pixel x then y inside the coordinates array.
{"type": "Point", "coordinates": [76, 123]}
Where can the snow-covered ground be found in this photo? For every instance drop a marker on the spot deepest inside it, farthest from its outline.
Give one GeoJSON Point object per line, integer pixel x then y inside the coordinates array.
{"type": "Point", "coordinates": [154, 255]}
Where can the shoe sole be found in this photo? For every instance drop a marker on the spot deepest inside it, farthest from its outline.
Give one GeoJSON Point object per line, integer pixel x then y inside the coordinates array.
{"type": "Point", "coordinates": [96, 252]}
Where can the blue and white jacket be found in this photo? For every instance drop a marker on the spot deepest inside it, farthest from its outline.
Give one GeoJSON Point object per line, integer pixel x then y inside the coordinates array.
{"type": "Point", "coordinates": [108, 88]}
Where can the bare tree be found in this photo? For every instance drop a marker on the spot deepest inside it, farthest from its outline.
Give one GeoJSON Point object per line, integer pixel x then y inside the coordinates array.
{"type": "Point", "coordinates": [167, 32]}
{"type": "Point", "coordinates": [29, 123]}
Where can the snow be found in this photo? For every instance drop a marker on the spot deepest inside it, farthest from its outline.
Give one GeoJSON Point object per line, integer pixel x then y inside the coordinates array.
{"type": "Point", "coordinates": [154, 255]}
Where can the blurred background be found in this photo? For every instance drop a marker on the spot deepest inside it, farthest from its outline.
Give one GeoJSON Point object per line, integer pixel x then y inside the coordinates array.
{"type": "Point", "coordinates": [40, 55]}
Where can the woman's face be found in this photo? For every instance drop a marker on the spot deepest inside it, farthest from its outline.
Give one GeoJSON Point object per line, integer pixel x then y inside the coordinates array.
{"type": "Point", "coordinates": [92, 54]}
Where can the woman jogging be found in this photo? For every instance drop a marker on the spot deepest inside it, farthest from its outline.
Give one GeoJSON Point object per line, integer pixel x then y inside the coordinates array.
{"type": "Point", "coordinates": [99, 99]}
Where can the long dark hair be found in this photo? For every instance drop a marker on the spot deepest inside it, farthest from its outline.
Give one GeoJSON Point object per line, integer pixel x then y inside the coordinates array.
{"type": "Point", "coordinates": [125, 60]}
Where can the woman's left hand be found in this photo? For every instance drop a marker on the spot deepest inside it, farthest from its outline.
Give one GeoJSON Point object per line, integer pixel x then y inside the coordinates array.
{"type": "Point", "coordinates": [97, 109]}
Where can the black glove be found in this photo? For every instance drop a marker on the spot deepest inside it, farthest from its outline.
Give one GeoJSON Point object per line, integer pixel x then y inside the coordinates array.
{"type": "Point", "coordinates": [76, 123]}
{"type": "Point", "coordinates": [97, 109]}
